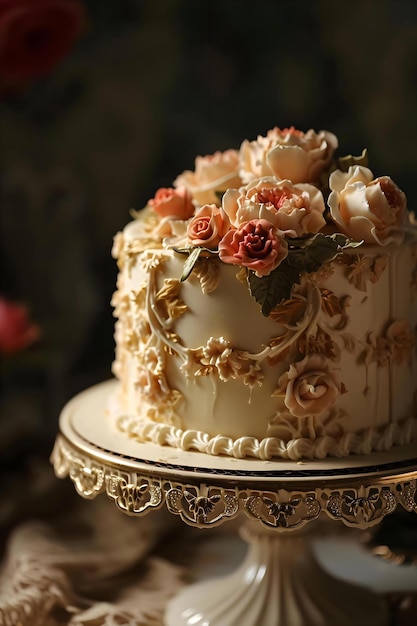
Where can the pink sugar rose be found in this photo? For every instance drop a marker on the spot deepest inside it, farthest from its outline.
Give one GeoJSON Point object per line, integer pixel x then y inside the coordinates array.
{"type": "Point", "coordinates": [368, 209]}
{"type": "Point", "coordinates": [176, 203]}
{"type": "Point", "coordinates": [309, 387]}
{"type": "Point", "coordinates": [288, 153]}
{"type": "Point", "coordinates": [208, 226]}
{"type": "Point", "coordinates": [213, 173]}
{"type": "Point", "coordinates": [257, 245]}
{"type": "Point", "coordinates": [295, 209]}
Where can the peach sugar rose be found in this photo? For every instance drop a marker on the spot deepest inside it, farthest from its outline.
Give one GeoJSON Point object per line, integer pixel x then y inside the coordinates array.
{"type": "Point", "coordinates": [175, 203]}
{"type": "Point", "coordinates": [257, 245]}
{"type": "Point", "coordinates": [309, 387]}
{"type": "Point", "coordinates": [295, 209]}
{"type": "Point", "coordinates": [213, 173]}
{"type": "Point", "coordinates": [208, 226]}
{"type": "Point", "coordinates": [368, 209]}
{"type": "Point", "coordinates": [287, 153]}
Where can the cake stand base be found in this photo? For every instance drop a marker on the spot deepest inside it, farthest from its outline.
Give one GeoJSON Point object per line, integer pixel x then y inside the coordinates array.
{"type": "Point", "coordinates": [279, 582]}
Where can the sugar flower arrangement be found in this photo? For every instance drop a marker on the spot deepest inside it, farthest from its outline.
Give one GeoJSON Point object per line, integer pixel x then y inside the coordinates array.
{"type": "Point", "coordinates": [279, 207]}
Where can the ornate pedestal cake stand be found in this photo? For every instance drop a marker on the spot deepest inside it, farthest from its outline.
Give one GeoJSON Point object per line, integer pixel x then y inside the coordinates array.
{"type": "Point", "coordinates": [280, 582]}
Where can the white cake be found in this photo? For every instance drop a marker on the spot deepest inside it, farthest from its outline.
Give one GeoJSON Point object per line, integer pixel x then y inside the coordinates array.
{"type": "Point", "coordinates": [255, 322]}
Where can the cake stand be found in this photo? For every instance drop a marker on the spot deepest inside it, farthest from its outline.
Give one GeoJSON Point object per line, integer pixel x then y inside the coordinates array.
{"type": "Point", "coordinates": [280, 582]}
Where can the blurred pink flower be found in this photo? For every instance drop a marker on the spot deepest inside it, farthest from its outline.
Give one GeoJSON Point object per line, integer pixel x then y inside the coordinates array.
{"type": "Point", "coordinates": [17, 331]}
{"type": "Point", "coordinates": [35, 35]}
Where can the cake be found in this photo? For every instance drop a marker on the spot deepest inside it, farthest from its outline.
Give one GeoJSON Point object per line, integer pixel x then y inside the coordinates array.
{"type": "Point", "coordinates": [266, 306]}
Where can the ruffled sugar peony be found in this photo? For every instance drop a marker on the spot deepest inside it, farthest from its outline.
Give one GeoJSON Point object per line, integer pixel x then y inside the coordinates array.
{"type": "Point", "coordinates": [175, 203]}
{"type": "Point", "coordinates": [213, 173]}
{"type": "Point", "coordinates": [309, 387]}
{"type": "Point", "coordinates": [368, 209]}
{"type": "Point", "coordinates": [257, 245]}
{"type": "Point", "coordinates": [288, 154]}
{"type": "Point", "coordinates": [208, 226]}
{"type": "Point", "coordinates": [295, 209]}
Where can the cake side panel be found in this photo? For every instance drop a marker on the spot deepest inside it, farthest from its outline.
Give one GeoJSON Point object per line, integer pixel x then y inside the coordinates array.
{"type": "Point", "coordinates": [169, 375]}
{"type": "Point", "coordinates": [377, 341]}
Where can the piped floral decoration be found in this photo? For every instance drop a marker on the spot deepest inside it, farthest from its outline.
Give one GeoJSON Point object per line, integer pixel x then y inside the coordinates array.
{"type": "Point", "coordinates": [279, 208]}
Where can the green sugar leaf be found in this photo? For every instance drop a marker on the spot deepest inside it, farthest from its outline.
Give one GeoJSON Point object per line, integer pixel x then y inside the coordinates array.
{"type": "Point", "coordinates": [189, 249]}
{"type": "Point", "coordinates": [182, 250]}
{"type": "Point", "coordinates": [321, 249]}
{"type": "Point", "coordinates": [309, 256]}
{"type": "Point", "coordinates": [190, 262]}
{"type": "Point", "coordinates": [348, 243]}
{"type": "Point", "coordinates": [271, 290]}
{"type": "Point", "coordinates": [345, 162]}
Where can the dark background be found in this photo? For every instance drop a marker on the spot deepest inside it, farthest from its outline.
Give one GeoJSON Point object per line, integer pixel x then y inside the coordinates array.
{"type": "Point", "coordinates": [146, 87]}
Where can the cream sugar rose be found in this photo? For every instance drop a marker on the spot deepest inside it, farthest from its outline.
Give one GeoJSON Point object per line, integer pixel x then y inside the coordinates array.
{"type": "Point", "coordinates": [267, 306]}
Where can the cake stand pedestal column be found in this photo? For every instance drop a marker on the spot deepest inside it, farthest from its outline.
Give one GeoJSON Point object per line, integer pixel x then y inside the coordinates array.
{"type": "Point", "coordinates": [280, 581]}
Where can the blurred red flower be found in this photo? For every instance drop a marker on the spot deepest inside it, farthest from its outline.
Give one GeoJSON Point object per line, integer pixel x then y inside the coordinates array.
{"type": "Point", "coordinates": [36, 34]}
{"type": "Point", "coordinates": [17, 331]}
